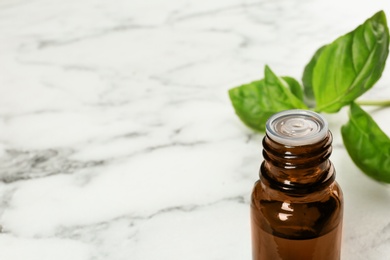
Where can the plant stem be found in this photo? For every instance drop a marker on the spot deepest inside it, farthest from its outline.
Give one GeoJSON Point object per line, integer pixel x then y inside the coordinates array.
{"type": "Point", "coordinates": [381, 103]}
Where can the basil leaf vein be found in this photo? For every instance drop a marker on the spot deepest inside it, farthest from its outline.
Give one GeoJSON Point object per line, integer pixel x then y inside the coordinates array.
{"type": "Point", "coordinates": [350, 65]}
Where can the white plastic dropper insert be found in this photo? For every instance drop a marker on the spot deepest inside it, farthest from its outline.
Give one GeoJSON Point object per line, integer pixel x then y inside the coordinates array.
{"type": "Point", "coordinates": [297, 127]}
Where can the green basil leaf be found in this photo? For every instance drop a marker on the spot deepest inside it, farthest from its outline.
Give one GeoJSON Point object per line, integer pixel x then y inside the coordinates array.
{"type": "Point", "coordinates": [279, 91]}
{"type": "Point", "coordinates": [351, 64]}
{"type": "Point", "coordinates": [249, 105]}
{"type": "Point", "coordinates": [307, 77]}
{"type": "Point", "coordinates": [294, 87]}
{"type": "Point", "coordinates": [255, 102]}
{"type": "Point", "coordinates": [367, 144]}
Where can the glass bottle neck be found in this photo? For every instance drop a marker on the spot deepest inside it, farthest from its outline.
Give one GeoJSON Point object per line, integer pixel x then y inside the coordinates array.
{"type": "Point", "coordinates": [297, 169]}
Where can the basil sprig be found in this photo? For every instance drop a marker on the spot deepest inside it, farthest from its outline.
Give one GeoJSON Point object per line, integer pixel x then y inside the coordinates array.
{"type": "Point", "coordinates": [336, 76]}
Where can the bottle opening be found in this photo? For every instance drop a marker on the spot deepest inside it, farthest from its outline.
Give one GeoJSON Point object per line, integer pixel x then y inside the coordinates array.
{"type": "Point", "coordinates": [297, 127]}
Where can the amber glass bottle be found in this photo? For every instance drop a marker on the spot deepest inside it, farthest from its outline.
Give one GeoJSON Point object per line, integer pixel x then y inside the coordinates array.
{"type": "Point", "coordinates": [296, 205]}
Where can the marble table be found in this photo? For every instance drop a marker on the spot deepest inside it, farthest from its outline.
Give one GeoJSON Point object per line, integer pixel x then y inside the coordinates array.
{"type": "Point", "coordinates": [117, 137]}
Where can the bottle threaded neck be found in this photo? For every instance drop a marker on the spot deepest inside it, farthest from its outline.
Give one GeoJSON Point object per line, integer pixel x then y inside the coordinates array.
{"type": "Point", "coordinates": [296, 151]}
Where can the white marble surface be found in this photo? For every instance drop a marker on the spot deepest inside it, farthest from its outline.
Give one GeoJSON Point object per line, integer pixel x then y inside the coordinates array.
{"type": "Point", "coordinates": [117, 138]}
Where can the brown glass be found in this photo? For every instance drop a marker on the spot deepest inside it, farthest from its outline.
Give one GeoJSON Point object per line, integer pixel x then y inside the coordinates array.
{"type": "Point", "coordinates": [296, 206]}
